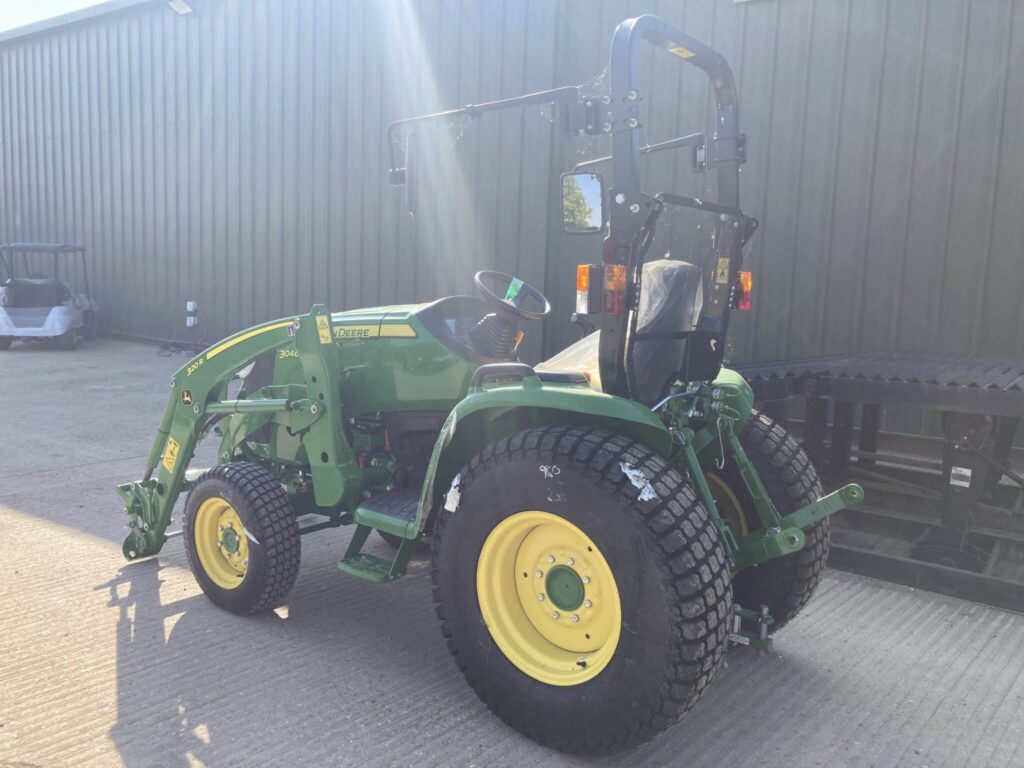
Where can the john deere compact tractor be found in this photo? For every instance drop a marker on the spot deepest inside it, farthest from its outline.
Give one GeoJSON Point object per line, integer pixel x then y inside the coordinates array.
{"type": "Point", "coordinates": [601, 525]}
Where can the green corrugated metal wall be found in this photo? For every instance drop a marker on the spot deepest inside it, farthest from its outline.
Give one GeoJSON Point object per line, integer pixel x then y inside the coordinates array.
{"type": "Point", "coordinates": [236, 156]}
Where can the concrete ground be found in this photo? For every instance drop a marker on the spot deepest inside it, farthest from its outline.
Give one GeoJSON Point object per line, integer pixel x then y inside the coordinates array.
{"type": "Point", "coordinates": [104, 663]}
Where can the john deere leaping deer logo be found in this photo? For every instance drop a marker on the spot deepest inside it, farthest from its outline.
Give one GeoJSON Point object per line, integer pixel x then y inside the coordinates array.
{"type": "Point", "coordinates": [186, 397]}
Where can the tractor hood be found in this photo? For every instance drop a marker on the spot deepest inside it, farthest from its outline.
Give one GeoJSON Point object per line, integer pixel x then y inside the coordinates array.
{"type": "Point", "coordinates": [376, 314]}
{"type": "Point", "coordinates": [372, 322]}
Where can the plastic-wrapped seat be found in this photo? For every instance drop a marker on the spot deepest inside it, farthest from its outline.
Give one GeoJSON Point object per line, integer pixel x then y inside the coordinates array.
{"type": "Point", "coordinates": [671, 297]}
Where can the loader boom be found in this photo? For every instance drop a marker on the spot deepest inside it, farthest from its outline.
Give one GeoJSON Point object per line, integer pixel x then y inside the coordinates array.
{"type": "Point", "coordinates": [199, 392]}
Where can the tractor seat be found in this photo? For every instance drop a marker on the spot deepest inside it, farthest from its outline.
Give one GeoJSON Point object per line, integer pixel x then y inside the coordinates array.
{"type": "Point", "coordinates": [671, 297]}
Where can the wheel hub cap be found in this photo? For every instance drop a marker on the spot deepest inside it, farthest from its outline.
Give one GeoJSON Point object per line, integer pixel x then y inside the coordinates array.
{"type": "Point", "coordinates": [229, 540]}
{"type": "Point", "coordinates": [565, 588]}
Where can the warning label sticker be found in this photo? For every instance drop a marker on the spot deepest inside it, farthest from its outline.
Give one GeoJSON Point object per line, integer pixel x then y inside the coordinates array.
{"type": "Point", "coordinates": [171, 454]}
{"type": "Point", "coordinates": [722, 272]}
{"type": "Point", "coordinates": [323, 328]}
{"type": "Point", "coordinates": [682, 53]}
{"type": "Point", "coordinates": [960, 476]}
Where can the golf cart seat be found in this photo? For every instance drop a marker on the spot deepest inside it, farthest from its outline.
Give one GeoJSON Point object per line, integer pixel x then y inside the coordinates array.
{"type": "Point", "coordinates": [35, 292]}
{"type": "Point", "coordinates": [671, 298]}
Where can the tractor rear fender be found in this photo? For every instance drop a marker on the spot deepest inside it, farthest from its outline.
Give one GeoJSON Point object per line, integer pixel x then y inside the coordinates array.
{"type": "Point", "coordinates": [488, 414]}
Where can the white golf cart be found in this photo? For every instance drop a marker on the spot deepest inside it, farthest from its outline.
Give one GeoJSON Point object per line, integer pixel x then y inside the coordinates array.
{"type": "Point", "coordinates": [35, 305]}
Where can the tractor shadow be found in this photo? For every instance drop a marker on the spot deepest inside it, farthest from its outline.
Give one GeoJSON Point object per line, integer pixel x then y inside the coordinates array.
{"type": "Point", "coordinates": [347, 674]}
{"type": "Point", "coordinates": [357, 673]}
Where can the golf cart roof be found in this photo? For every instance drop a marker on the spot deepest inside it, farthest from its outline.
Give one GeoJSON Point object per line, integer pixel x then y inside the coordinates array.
{"type": "Point", "coordinates": [41, 248]}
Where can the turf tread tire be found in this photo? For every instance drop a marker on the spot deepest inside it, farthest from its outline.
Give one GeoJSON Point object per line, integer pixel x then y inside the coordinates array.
{"type": "Point", "coordinates": [263, 505]}
{"type": "Point", "coordinates": [692, 566]}
{"type": "Point", "coordinates": [787, 583]}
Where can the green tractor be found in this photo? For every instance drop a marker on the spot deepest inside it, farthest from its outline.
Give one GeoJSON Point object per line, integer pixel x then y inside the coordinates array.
{"type": "Point", "coordinates": [601, 526]}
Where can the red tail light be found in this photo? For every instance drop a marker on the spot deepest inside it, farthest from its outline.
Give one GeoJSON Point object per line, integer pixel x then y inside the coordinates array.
{"type": "Point", "coordinates": [614, 289]}
{"type": "Point", "coordinates": [744, 286]}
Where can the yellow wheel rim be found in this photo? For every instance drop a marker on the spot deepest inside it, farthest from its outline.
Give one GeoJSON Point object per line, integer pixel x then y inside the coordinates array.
{"type": "Point", "coordinates": [728, 504]}
{"type": "Point", "coordinates": [221, 543]}
{"type": "Point", "coordinates": [548, 598]}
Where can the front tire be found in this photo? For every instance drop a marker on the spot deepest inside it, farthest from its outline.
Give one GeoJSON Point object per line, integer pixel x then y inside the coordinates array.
{"type": "Point", "coordinates": [784, 584]}
{"type": "Point", "coordinates": [632, 623]}
{"type": "Point", "coordinates": [241, 538]}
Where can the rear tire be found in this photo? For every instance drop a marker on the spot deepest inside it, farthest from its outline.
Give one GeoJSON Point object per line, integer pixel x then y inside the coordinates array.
{"type": "Point", "coordinates": [786, 583]}
{"type": "Point", "coordinates": [5, 342]}
{"type": "Point", "coordinates": [68, 340]}
{"type": "Point", "coordinates": [89, 325]}
{"type": "Point", "coordinates": [658, 560]}
{"type": "Point", "coordinates": [268, 541]}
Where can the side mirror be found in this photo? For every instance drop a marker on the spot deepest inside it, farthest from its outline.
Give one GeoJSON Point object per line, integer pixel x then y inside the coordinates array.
{"type": "Point", "coordinates": [582, 203]}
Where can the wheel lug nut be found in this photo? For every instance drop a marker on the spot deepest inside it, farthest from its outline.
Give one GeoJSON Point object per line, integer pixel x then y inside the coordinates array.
{"type": "Point", "coordinates": [540, 596]}
{"type": "Point", "coordinates": [587, 604]}
{"type": "Point", "coordinates": [570, 561]}
{"type": "Point", "coordinates": [586, 579]}
{"type": "Point", "coordinates": [555, 615]}
{"type": "Point", "coordinates": [551, 558]}
{"type": "Point", "coordinates": [539, 574]}
{"type": "Point", "coordinates": [574, 618]}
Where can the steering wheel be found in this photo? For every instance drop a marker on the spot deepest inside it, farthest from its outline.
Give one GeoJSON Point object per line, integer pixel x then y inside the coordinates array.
{"type": "Point", "coordinates": [517, 293]}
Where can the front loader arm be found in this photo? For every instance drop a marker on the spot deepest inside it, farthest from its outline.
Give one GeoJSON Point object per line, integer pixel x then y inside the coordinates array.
{"type": "Point", "coordinates": [199, 390]}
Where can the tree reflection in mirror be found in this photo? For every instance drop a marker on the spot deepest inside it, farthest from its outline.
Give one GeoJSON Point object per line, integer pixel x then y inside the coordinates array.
{"type": "Point", "coordinates": [582, 202]}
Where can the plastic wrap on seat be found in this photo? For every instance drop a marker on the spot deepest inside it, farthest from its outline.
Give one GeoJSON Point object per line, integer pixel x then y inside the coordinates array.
{"type": "Point", "coordinates": [671, 296]}
{"type": "Point", "coordinates": [580, 357]}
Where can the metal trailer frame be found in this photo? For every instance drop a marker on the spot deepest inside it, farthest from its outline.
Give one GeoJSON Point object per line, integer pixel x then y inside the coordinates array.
{"type": "Point", "coordinates": [981, 398]}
